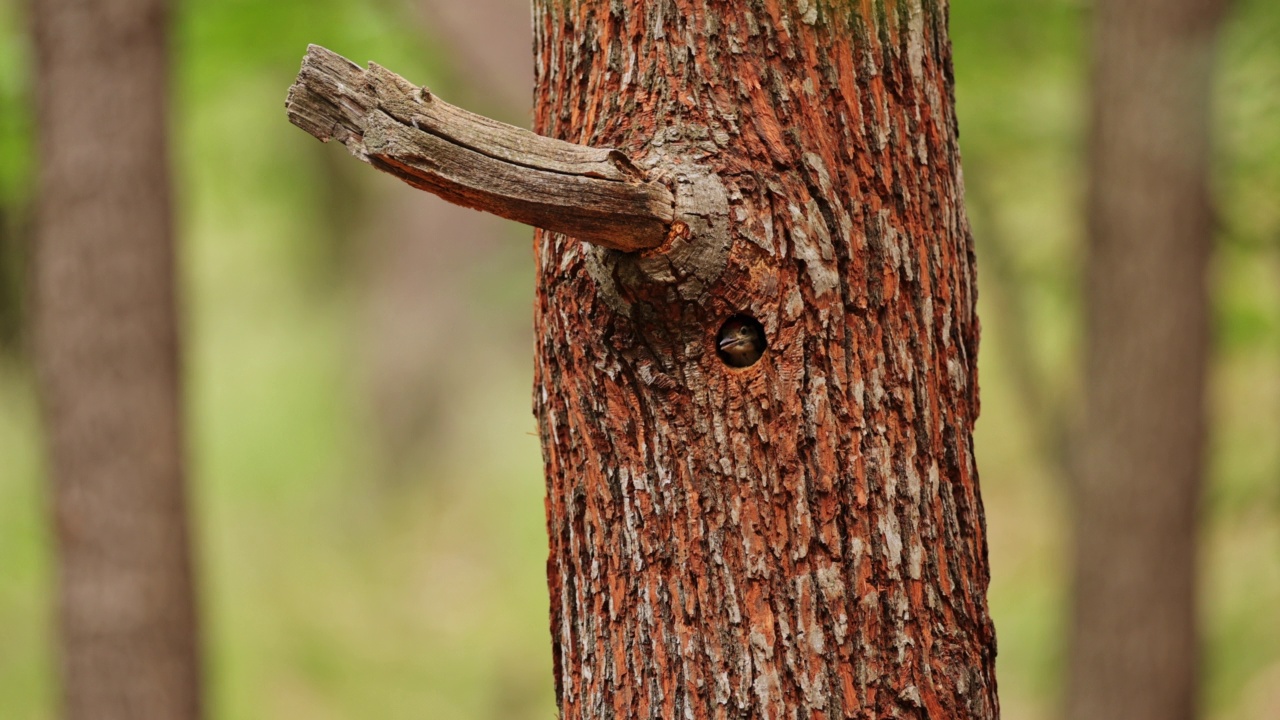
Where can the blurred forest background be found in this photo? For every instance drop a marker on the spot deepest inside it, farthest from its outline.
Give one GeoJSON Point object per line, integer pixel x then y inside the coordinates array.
{"type": "Point", "coordinates": [366, 482]}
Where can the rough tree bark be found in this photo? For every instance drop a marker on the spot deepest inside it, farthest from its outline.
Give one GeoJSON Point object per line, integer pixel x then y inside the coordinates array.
{"type": "Point", "coordinates": [1134, 651]}
{"type": "Point", "coordinates": [802, 537]}
{"type": "Point", "coordinates": [106, 350]}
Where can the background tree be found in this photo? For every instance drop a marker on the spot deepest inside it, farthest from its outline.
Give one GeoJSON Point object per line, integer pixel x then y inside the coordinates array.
{"type": "Point", "coordinates": [106, 350]}
{"type": "Point", "coordinates": [802, 535]}
{"type": "Point", "coordinates": [1135, 635]}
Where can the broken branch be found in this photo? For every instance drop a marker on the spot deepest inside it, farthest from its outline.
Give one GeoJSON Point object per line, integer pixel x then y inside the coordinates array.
{"type": "Point", "coordinates": [592, 194]}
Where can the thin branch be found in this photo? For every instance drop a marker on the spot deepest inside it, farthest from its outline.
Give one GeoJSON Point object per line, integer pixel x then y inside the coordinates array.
{"type": "Point", "coordinates": [592, 194]}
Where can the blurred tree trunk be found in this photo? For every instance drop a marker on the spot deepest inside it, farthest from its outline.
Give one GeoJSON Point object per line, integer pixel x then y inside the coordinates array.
{"type": "Point", "coordinates": [1134, 647]}
{"type": "Point", "coordinates": [106, 349]}
{"type": "Point", "coordinates": [415, 256]}
{"type": "Point", "coordinates": [803, 537]}
{"type": "Point", "coordinates": [416, 310]}
{"type": "Point", "coordinates": [488, 46]}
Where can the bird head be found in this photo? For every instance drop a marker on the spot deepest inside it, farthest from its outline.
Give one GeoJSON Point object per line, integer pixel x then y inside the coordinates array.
{"type": "Point", "coordinates": [740, 342]}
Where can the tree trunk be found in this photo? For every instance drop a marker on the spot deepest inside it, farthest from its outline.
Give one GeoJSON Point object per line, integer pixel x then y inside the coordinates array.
{"type": "Point", "coordinates": [1134, 648]}
{"type": "Point", "coordinates": [106, 351]}
{"type": "Point", "coordinates": [756, 364]}
{"type": "Point", "coordinates": [802, 537]}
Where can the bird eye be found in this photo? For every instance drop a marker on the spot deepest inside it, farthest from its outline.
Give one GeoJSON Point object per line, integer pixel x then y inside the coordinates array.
{"type": "Point", "coordinates": [740, 342]}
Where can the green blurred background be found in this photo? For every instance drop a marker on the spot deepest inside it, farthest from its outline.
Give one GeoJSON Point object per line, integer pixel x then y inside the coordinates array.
{"type": "Point", "coordinates": [366, 481]}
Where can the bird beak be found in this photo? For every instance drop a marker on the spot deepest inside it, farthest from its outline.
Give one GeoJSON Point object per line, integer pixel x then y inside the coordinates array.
{"type": "Point", "coordinates": [726, 343]}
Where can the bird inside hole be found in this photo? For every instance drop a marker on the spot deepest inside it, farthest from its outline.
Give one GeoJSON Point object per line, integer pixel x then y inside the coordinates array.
{"type": "Point", "coordinates": [740, 342]}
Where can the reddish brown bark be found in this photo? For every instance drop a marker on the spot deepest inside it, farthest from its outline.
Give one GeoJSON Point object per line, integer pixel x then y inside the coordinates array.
{"type": "Point", "coordinates": [798, 537]}
{"type": "Point", "coordinates": [803, 537]}
{"type": "Point", "coordinates": [1134, 640]}
{"type": "Point", "coordinates": [106, 350]}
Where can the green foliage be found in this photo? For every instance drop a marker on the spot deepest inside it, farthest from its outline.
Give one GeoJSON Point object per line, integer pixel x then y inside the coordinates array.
{"type": "Point", "coordinates": [15, 108]}
{"type": "Point", "coordinates": [15, 171]}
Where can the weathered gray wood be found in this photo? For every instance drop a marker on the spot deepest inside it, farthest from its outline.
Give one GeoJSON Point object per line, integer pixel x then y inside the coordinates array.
{"type": "Point", "coordinates": [592, 194]}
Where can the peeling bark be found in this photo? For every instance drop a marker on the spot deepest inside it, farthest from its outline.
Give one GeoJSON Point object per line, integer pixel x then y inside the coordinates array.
{"type": "Point", "coordinates": [803, 537]}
